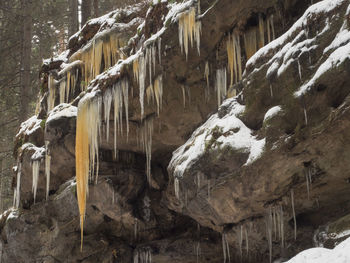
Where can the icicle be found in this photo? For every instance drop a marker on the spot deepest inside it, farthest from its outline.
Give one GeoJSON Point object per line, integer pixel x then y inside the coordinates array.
{"type": "Point", "coordinates": [142, 77]}
{"type": "Point", "coordinates": [225, 248]}
{"type": "Point", "coordinates": [62, 91]}
{"type": "Point", "coordinates": [269, 231]}
{"type": "Point", "coordinates": [35, 169]}
{"type": "Point", "coordinates": [189, 30]}
{"type": "Point", "coordinates": [237, 43]}
{"type": "Point", "coordinates": [183, 95]}
{"type": "Point", "coordinates": [198, 181]}
{"type": "Point", "coordinates": [47, 169]}
{"type": "Point", "coordinates": [305, 116]}
{"type": "Point", "coordinates": [240, 241]}
{"type": "Point", "coordinates": [307, 185]}
{"type": "Point", "coordinates": [261, 32]}
{"type": "Point", "coordinates": [198, 250]}
{"type": "Point", "coordinates": [52, 93]}
{"type": "Point", "coordinates": [271, 91]}
{"type": "Point", "coordinates": [143, 255]}
{"type": "Point", "coordinates": [120, 94]}
{"type": "Point", "coordinates": [158, 92]}
{"type": "Point", "coordinates": [246, 240]}
{"type": "Point", "coordinates": [231, 57]}
{"type": "Point", "coordinates": [272, 27]}
{"type": "Point", "coordinates": [294, 217]}
{"type": "Point", "coordinates": [206, 75]}
{"type": "Point", "coordinates": [17, 194]}
{"type": "Point", "coordinates": [250, 42]}
{"type": "Point", "coordinates": [160, 50]}
{"type": "Point", "coordinates": [107, 102]}
{"type": "Point", "coordinates": [177, 188]}
{"type": "Point", "coordinates": [135, 228]}
{"type": "Point", "coordinates": [299, 70]}
{"type": "Point", "coordinates": [146, 140]}
{"type": "Point", "coordinates": [268, 30]}
{"type": "Point", "coordinates": [282, 226]}
{"type": "Point", "coordinates": [221, 84]}
{"type": "Point", "coordinates": [86, 149]}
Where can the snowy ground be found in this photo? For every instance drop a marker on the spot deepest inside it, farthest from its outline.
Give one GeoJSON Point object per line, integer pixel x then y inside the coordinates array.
{"type": "Point", "coordinates": [340, 254]}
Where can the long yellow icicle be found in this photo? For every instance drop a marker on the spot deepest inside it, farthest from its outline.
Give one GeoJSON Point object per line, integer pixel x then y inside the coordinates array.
{"type": "Point", "coordinates": [250, 42]}
{"type": "Point", "coordinates": [261, 32]}
{"type": "Point", "coordinates": [86, 149]}
{"type": "Point", "coordinates": [82, 162]}
{"type": "Point", "coordinates": [189, 30]}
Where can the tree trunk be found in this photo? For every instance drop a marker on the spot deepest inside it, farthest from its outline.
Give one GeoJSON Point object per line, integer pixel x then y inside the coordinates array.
{"type": "Point", "coordinates": [85, 11]}
{"type": "Point", "coordinates": [96, 10]}
{"type": "Point", "coordinates": [73, 17]}
{"type": "Point", "coordinates": [26, 59]}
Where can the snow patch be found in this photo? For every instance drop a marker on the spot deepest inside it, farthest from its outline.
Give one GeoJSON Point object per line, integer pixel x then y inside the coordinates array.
{"type": "Point", "coordinates": [272, 112]}
{"type": "Point", "coordinates": [340, 254]}
{"type": "Point", "coordinates": [29, 126]}
{"type": "Point", "coordinates": [63, 110]}
{"type": "Point", "coordinates": [233, 132]}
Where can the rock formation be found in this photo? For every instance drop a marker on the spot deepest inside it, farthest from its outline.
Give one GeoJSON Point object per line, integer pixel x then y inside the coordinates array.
{"type": "Point", "coordinates": [201, 131]}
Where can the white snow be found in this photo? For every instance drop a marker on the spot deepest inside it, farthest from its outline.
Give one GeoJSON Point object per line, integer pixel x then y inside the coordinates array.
{"type": "Point", "coordinates": [234, 134]}
{"type": "Point", "coordinates": [61, 57]}
{"type": "Point", "coordinates": [63, 110]}
{"type": "Point", "coordinates": [340, 254]}
{"type": "Point", "coordinates": [272, 112]}
{"type": "Point", "coordinates": [333, 61]}
{"type": "Point", "coordinates": [68, 66]}
{"type": "Point", "coordinates": [39, 153]}
{"type": "Point", "coordinates": [312, 11]}
{"type": "Point", "coordinates": [29, 126]}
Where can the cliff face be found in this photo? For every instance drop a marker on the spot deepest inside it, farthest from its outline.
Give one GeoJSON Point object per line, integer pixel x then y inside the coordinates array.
{"type": "Point", "coordinates": [134, 143]}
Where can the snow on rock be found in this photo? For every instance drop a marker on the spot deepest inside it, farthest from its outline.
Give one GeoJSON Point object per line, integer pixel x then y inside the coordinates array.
{"type": "Point", "coordinates": [175, 10]}
{"type": "Point", "coordinates": [334, 60]}
{"type": "Point", "coordinates": [38, 152]}
{"type": "Point", "coordinates": [285, 42]}
{"type": "Point", "coordinates": [29, 126]}
{"type": "Point", "coordinates": [63, 110]}
{"type": "Point", "coordinates": [233, 133]}
{"type": "Point", "coordinates": [289, 47]}
{"type": "Point", "coordinates": [340, 254]}
{"type": "Point", "coordinates": [60, 57]}
{"type": "Point", "coordinates": [272, 112]}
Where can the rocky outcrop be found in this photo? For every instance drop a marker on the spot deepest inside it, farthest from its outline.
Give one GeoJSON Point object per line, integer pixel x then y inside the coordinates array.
{"type": "Point", "coordinates": [270, 157]}
{"type": "Point", "coordinates": [294, 116]}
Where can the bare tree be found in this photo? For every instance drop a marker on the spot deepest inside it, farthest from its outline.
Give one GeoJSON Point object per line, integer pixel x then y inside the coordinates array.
{"type": "Point", "coordinates": [73, 17]}
{"type": "Point", "coordinates": [26, 59]}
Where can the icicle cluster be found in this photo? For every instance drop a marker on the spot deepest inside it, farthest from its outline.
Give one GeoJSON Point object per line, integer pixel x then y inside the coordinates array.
{"type": "Point", "coordinates": [143, 255]}
{"type": "Point", "coordinates": [100, 52]}
{"type": "Point", "coordinates": [140, 65]}
{"type": "Point", "coordinates": [88, 132]}
{"type": "Point", "coordinates": [274, 226]}
{"type": "Point", "coordinates": [189, 29]}
{"type": "Point", "coordinates": [86, 149]}
{"type": "Point", "coordinates": [254, 38]}
{"type": "Point", "coordinates": [242, 235]}
{"type": "Point", "coordinates": [221, 84]}
{"type": "Point", "coordinates": [225, 248]}
{"type": "Point", "coordinates": [154, 93]}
